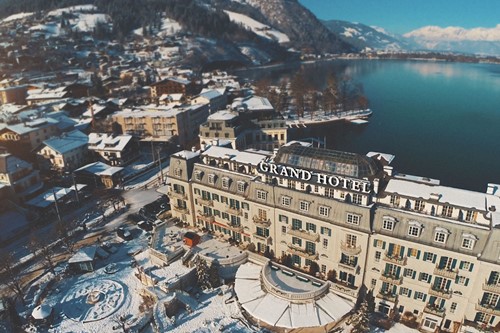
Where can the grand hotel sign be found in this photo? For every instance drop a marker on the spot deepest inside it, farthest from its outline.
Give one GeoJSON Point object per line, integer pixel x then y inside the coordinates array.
{"type": "Point", "coordinates": [352, 184]}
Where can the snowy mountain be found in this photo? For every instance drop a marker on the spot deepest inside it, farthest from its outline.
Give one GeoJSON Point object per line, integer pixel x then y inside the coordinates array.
{"type": "Point", "coordinates": [366, 38]}
{"type": "Point", "coordinates": [476, 40]}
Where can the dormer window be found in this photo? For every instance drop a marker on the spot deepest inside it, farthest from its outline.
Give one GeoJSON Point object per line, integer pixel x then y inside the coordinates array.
{"type": "Point", "coordinates": [211, 179]}
{"type": "Point", "coordinates": [225, 182]}
{"type": "Point", "coordinates": [441, 235]}
{"type": "Point", "coordinates": [241, 186]}
{"type": "Point", "coordinates": [261, 195]}
{"type": "Point", "coordinates": [198, 174]}
{"type": "Point", "coordinates": [468, 241]}
{"type": "Point", "coordinates": [388, 223]}
{"type": "Point", "coordinates": [178, 172]}
{"type": "Point", "coordinates": [447, 211]}
{"type": "Point", "coordinates": [286, 200]}
{"type": "Point", "coordinates": [394, 200]}
{"type": "Point", "coordinates": [415, 229]}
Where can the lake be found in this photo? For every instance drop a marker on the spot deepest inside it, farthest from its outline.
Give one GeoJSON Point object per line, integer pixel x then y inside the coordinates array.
{"type": "Point", "coordinates": [440, 120]}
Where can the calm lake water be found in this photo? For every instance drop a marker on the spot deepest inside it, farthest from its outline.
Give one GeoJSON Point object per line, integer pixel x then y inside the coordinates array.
{"type": "Point", "coordinates": [440, 120]}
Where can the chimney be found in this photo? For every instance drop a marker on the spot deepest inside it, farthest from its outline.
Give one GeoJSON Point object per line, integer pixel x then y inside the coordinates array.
{"type": "Point", "coordinates": [215, 142]}
{"type": "Point", "coordinates": [492, 189]}
{"type": "Point", "coordinates": [193, 149]}
{"type": "Point", "coordinates": [388, 170]}
{"type": "Point", "coordinates": [376, 183]}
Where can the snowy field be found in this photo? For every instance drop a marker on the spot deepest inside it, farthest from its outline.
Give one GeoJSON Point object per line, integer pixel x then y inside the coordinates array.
{"type": "Point", "coordinates": [258, 27]}
{"type": "Point", "coordinates": [169, 27]}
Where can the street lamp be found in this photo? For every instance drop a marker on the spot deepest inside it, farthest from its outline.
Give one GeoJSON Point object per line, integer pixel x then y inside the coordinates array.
{"type": "Point", "coordinates": [158, 150]}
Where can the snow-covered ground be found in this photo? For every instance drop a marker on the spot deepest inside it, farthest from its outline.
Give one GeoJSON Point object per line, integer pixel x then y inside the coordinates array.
{"type": "Point", "coordinates": [169, 27]}
{"type": "Point", "coordinates": [72, 9]}
{"type": "Point", "coordinates": [258, 27]}
{"type": "Point", "coordinates": [14, 17]}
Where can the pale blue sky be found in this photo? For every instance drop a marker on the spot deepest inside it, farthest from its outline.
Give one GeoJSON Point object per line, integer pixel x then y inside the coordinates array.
{"type": "Point", "coordinates": [401, 16]}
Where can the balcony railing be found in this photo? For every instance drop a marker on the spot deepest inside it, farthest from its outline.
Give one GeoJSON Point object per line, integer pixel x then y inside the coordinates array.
{"type": "Point", "coordinates": [446, 294]}
{"type": "Point", "coordinates": [294, 249]}
{"type": "Point", "coordinates": [233, 211]}
{"type": "Point", "coordinates": [311, 236]}
{"type": "Point", "coordinates": [487, 308]}
{"type": "Point", "coordinates": [350, 268]}
{"type": "Point", "coordinates": [494, 288]}
{"type": "Point", "coordinates": [234, 227]}
{"type": "Point", "coordinates": [206, 217]}
{"type": "Point", "coordinates": [181, 209]}
{"type": "Point", "coordinates": [447, 273]}
{"type": "Point", "coordinates": [263, 222]}
{"type": "Point", "coordinates": [432, 309]}
{"type": "Point", "coordinates": [205, 202]}
{"type": "Point", "coordinates": [179, 195]}
{"type": "Point", "coordinates": [350, 249]}
{"type": "Point", "coordinates": [388, 296]}
{"type": "Point", "coordinates": [265, 239]}
{"type": "Point", "coordinates": [392, 279]}
{"type": "Point", "coordinates": [395, 259]}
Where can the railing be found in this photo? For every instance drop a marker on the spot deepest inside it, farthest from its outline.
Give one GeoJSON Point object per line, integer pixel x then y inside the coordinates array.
{"type": "Point", "coordinates": [446, 294]}
{"type": "Point", "coordinates": [235, 227]}
{"type": "Point", "coordinates": [350, 268]}
{"type": "Point", "coordinates": [294, 249]}
{"type": "Point", "coordinates": [394, 259]}
{"type": "Point", "coordinates": [205, 202]}
{"type": "Point", "coordinates": [206, 217]}
{"type": "Point", "coordinates": [233, 211]}
{"type": "Point", "coordinates": [494, 288]}
{"type": "Point", "coordinates": [487, 308]}
{"type": "Point", "coordinates": [183, 210]}
{"type": "Point", "coordinates": [391, 279]}
{"type": "Point", "coordinates": [262, 221]}
{"type": "Point", "coordinates": [174, 194]}
{"type": "Point", "coordinates": [261, 237]}
{"type": "Point", "coordinates": [447, 273]}
{"type": "Point", "coordinates": [345, 290]}
{"type": "Point", "coordinates": [388, 296]}
{"type": "Point", "coordinates": [432, 309]}
{"type": "Point", "coordinates": [285, 294]}
{"type": "Point", "coordinates": [350, 249]}
{"type": "Point", "coordinates": [314, 237]}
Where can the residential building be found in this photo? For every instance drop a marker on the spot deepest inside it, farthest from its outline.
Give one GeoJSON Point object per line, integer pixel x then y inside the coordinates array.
{"type": "Point", "coordinates": [20, 176]}
{"type": "Point", "coordinates": [13, 94]}
{"type": "Point", "coordinates": [65, 152]}
{"type": "Point", "coordinates": [174, 85]}
{"type": "Point", "coordinates": [213, 97]}
{"type": "Point", "coordinates": [429, 253]}
{"type": "Point", "coordinates": [114, 149]}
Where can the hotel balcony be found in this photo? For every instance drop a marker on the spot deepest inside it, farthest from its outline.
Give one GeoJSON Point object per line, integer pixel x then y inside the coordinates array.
{"type": "Point", "coordinates": [311, 236]}
{"type": "Point", "coordinates": [349, 249]}
{"type": "Point", "coordinates": [206, 217]}
{"type": "Point", "coordinates": [234, 227]}
{"type": "Point", "coordinates": [178, 195]}
{"type": "Point", "coordinates": [262, 222]}
{"type": "Point", "coordinates": [444, 272]}
{"type": "Point", "coordinates": [180, 209]}
{"type": "Point", "coordinates": [446, 294]}
{"type": "Point", "coordinates": [352, 269]}
{"type": "Point", "coordinates": [494, 288]}
{"type": "Point", "coordinates": [387, 295]}
{"type": "Point", "coordinates": [294, 249]}
{"type": "Point", "coordinates": [205, 202]}
{"type": "Point", "coordinates": [487, 308]}
{"type": "Point", "coordinates": [395, 259]}
{"type": "Point", "coordinates": [391, 279]}
{"type": "Point", "coordinates": [432, 309]}
{"type": "Point", "coordinates": [233, 211]}
{"type": "Point", "coordinates": [265, 239]}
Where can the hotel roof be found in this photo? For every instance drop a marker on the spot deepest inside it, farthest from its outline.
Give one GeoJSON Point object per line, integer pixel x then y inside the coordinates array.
{"type": "Point", "coordinates": [67, 142]}
{"type": "Point", "coordinates": [103, 141]}
{"type": "Point", "coordinates": [223, 115]}
{"type": "Point", "coordinates": [235, 155]}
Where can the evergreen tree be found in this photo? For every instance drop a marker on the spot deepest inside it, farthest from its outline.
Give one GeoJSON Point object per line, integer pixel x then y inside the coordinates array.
{"type": "Point", "coordinates": [360, 320]}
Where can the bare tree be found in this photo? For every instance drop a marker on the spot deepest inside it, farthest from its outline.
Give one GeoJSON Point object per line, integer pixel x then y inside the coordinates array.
{"type": "Point", "coordinates": [65, 233]}
{"type": "Point", "coordinates": [11, 275]}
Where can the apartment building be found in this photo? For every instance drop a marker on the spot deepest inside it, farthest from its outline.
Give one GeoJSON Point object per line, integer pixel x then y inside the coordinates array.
{"type": "Point", "coordinates": [429, 253]}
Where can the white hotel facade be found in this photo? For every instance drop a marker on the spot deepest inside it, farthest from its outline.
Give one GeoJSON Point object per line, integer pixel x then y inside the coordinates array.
{"type": "Point", "coordinates": [427, 251]}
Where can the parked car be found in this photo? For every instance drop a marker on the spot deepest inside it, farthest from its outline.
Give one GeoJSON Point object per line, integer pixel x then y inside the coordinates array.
{"type": "Point", "coordinates": [123, 233]}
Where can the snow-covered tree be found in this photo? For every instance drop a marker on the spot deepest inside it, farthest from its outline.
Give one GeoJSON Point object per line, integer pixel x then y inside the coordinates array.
{"type": "Point", "coordinates": [360, 320]}
{"type": "Point", "coordinates": [207, 274]}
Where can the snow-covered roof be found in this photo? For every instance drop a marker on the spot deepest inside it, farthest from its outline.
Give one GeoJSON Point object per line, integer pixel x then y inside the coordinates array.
{"type": "Point", "coordinates": [103, 141]}
{"type": "Point", "coordinates": [223, 115]}
{"type": "Point", "coordinates": [67, 142]}
{"type": "Point", "coordinates": [24, 128]}
{"type": "Point", "coordinates": [83, 255]}
{"type": "Point", "coordinates": [388, 158]}
{"type": "Point", "coordinates": [10, 163]}
{"type": "Point", "coordinates": [448, 195]}
{"type": "Point", "coordinates": [100, 169]}
{"type": "Point", "coordinates": [187, 154]}
{"type": "Point", "coordinates": [42, 311]}
{"type": "Point", "coordinates": [252, 103]}
{"type": "Point", "coordinates": [210, 94]}
{"type": "Point", "coordinates": [235, 155]}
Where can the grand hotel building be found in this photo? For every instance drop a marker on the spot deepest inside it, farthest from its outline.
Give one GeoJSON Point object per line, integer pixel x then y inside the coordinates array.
{"type": "Point", "coordinates": [427, 251]}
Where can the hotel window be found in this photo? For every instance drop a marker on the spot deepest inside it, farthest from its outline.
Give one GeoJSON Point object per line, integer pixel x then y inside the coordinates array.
{"type": "Point", "coordinates": [447, 211]}
{"type": "Point", "coordinates": [378, 256]}
{"type": "Point", "coordinates": [453, 307]}
{"type": "Point", "coordinates": [490, 300]}
{"type": "Point", "coordinates": [430, 323]}
{"type": "Point", "coordinates": [440, 237]}
{"type": "Point", "coordinates": [414, 229]}
{"type": "Point", "coordinates": [296, 241]}
{"type": "Point", "coordinates": [286, 200]}
{"type": "Point", "coordinates": [283, 218]}
{"type": "Point", "coordinates": [373, 283]}
{"type": "Point", "coordinates": [357, 199]}
{"type": "Point", "coordinates": [388, 223]}
{"type": "Point", "coordinates": [471, 216]}
{"type": "Point", "coordinates": [325, 243]}
{"type": "Point", "coordinates": [494, 278]}
{"type": "Point", "coordinates": [419, 295]}
{"type": "Point", "coordinates": [217, 212]}
{"type": "Point", "coordinates": [353, 218]}
{"type": "Point", "coordinates": [429, 256]}
{"type": "Point", "coordinates": [225, 182]}
{"type": "Point", "coordinates": [310, 247]}
{"type": "Point", "coordinates": [302, 186]}
{"type": "Point", "coordinates": [324, 211]}
{"type": "Point", "coordinates": [316, 188]}
{"type": "Point", "coordinates": [177, 172]}
{"type": "Point", "coordinates": [296, 224]}
{"type": "Point", "coordinates": [379, 243]}
{"type": "Point", "coordinates": [467, 266]}
{"type": "Point", "coordinates": [351, 240]}
{"type": "Point", "coordinates": [261, 195]}
{"type": "Point", "coordinates": [468, 241]}
{"type": "Point", "coordinates": [395, 200]}
{"type": "Point", "coordinates": [281, 181]}
{"type": "Point", "coordinates": [211, 179]}
{"type": "Point", "coordinates": [326, 231]}
{"type": "Point", "coordinates": [291, 184]}
{"type": "Point", "coordinates": [329, 193]}
{"type": "Point", "coordinates": [404, 291]}
{"type": "Point", "coordinates": [283, 230]}
{"type": "Point", "coordinates": [323, 269]}
{"type": "Point", "coordinates": [262, 213]}
{"type": "Point", "coordinates": [198, 175]}
{"type": "Point", "coordinates": [342, 195]}
{"type": "Point", "coordinates": [461, 280]}
{"type": "Point", "coordinates": [419, 205]}
{"type": "Point", "coordinates": [241, 186]}
{"type": "Point", "coordinates": [215, 197]}
{"type": "Point", "coordinates": [408, 272]}
{"type": "Point", "coordinates": [310, 227]}
{"type": "Point", "coordinates": [225, 216]}
{"type": "Point", "coordinates": [304, 205]}
{"type": "Point", "coordinates": [424, 277]}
